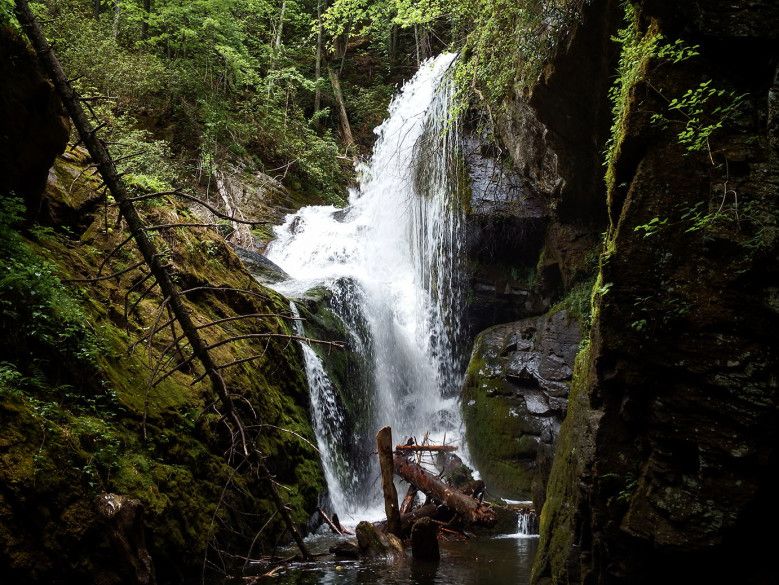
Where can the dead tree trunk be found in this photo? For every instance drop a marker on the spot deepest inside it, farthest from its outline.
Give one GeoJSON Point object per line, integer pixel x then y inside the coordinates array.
{"type": "Point", "coordinates": [384, 444]}
{"type": "Point", "coordinates": [170, 291]}
{"type": "Point", "coordinates": [471, 510]}
{"type": "Point", "coordinates": [329, 522]}
{"type": "Point", "coordinates": [346, 129]}
{"type": "Point", "coordinates": [408, 501]}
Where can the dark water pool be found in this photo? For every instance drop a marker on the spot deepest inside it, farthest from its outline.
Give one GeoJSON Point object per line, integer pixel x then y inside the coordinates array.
{"type": "Point", "coordinates": [477, 561]}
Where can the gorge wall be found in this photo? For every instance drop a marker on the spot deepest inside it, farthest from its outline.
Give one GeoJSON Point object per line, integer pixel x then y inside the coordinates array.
{"type": "Point", "coordinates": [663, 467]}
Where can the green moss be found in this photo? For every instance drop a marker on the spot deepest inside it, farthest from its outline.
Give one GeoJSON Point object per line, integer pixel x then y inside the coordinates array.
{"type": "Point", "coordinates": [560, 505]}
{"type": "Point", "coordinates": [636, 51]}
{"type": "Point", "coordinates": [79, 416]}
{"type": "Point", "coordinates": [497, 438]}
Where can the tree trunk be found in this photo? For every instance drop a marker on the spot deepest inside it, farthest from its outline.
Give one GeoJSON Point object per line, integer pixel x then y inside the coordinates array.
{"type": "Point", "coordinates": [408, 501]}
{"type": "Point", "coordinates": [96, 7]}
{"type": "Point", "coordinates": [153, 259]}
{"type": "Point", "coordinates": [145, 21]}
{"type": "Point", "coordinates": [117, 14]}
{"type": "Point", "coordinates": [471, 510]}
{"type": "Point", "coordinates": [280, 29]}
{"type": "Point", "coordinates": [346, 129]}
{"type": "Point", "coordinates": [318, 66]}
{"type": "Point", "coordinates": [384, 445]}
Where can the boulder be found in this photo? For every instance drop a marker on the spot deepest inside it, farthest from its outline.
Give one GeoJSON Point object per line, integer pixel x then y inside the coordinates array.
{"type": "Point", "coordinates": [374, 543]}
{"type": "Point", "coordinates": [348, 549]}
{"type": "Point", "coordinates": [515, 398]}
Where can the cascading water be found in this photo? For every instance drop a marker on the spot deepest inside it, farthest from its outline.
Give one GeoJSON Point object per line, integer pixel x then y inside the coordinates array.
{"type": "Point", "coordinates": [392, 260]}
{"type": "Point", "coordinates": [328, 422]}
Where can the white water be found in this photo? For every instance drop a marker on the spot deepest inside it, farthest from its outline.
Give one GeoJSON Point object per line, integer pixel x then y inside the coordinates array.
{"type": "Point", "coordinates": [398, 245]}
{"type": "Point", "coordinates": [328, 422]}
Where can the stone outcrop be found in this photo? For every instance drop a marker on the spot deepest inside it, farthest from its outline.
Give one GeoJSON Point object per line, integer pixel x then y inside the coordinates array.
{"type": "Point", "coordinates": [664, 469]}
{"type": "Point", "coordinates": [506, 226]}
{"type": "Point", "coordinates": [35, 130]}
{"type": "Point", "coordinates": [514, 399]}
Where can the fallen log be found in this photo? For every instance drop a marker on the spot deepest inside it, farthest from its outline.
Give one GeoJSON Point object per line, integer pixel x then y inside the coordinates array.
{"type": "Point", "coordinates": [337, 523]}
{"type": "Point", "coordinates": [470, 510]}
{"type": "Point", "coordinates": [433, 448]}
{"type": "Point", "coordinates": [407, 520]}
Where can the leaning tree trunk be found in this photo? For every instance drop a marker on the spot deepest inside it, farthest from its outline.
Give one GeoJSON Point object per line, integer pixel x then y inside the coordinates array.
{"type": "Point", "coordinates": [170, 291]}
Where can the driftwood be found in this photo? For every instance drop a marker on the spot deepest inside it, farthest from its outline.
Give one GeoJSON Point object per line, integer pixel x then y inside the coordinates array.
{"type": "Point", "coordinates": [433, 448]}
{"type": "Point", "coordinates": [407, 520]}
{"type": "Point", "coordinates": [384, 444]}
{"type": "Point", "coordinates": [337, 523]}
{"type": "Point", "coordinates": [424, 540]}
{"type": "Point", "coordinates": [470, 510]}
{"type": "Point", "coordinates": [329, 522]}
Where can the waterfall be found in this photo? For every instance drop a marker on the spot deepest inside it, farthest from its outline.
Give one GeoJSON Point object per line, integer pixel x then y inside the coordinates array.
{"type": "Point", "coordinates": [392, 260]}
{"type": "Point", "coordinates": [327, 422]}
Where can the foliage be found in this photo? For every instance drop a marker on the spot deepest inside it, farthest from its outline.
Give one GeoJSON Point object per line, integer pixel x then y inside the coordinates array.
{"type": "Point", "coordinates": [207, 77]}
{"type": "Point", "coordinates": [506, 43]}
{"type": "Point", "coordinates": [578, 303]}
{"type": "Point", "coordinates": [41, 316]}
{"type": "Point", "coordinates": [700, 112]}
{"type": "Point", "coordinates": [652, 227]}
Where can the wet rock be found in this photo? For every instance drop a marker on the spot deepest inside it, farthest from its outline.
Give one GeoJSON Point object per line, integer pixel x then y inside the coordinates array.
{"type": "Point", "coordinates": [260, 267]}
{"type": "Point", "coordinates": [424, 540]}
{"type": "Point", "coordinates": [515, 398]}
{"type": "Point", "coordinates": [666, 462]}
{"type": "Point", "coordinates": [506, 226]}
{"type": "Point", "coordinates": [348, 549]}
{"type": "Point", "coordinates": [372, 542]}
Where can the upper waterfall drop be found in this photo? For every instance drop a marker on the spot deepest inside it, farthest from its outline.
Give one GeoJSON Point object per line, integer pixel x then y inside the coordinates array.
{"type": "Point", "coordinates": [398, 246]}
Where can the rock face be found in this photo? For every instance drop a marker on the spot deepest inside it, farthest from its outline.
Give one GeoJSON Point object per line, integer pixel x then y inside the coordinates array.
{"type": "Point", "coordinates": [665, 465]}
{"type": "Point", "coordinates": [506, 227]}
{"type": "Point", "coordinates": [37, 132]}
{"type": "Point", "coordinates": [514, 399]}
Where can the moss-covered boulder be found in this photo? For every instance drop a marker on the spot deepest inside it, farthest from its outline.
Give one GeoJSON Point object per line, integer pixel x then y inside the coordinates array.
{"type": "Point", "coordinates": [514, 398]}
